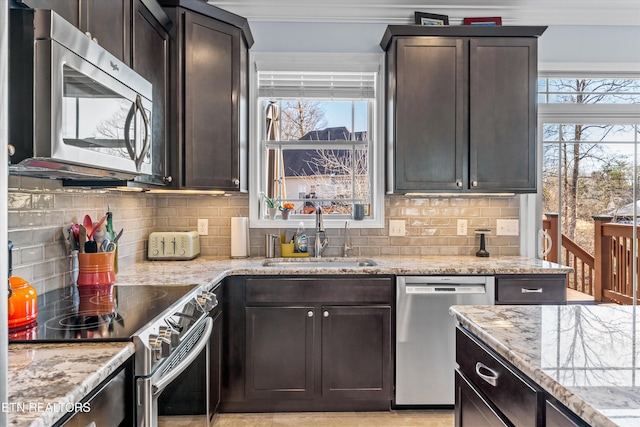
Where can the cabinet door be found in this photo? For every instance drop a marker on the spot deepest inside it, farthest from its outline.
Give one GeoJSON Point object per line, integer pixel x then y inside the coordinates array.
{"type": "Point", "coordinates": [109, 22]}
{"type": "Point", "coordinates": [502, 114]}
{"type": "Point", "coordinates": [151, 60]}
{"type": "Point", "coordinates": [68, 9]}
{"type": "Point", "coordinates": [211, 114]}
{"type": "Point", "coordinates": [356, 352]}
{"type": "Point", "coordinates": [429, 115]}
{"type": "Point", "coordinates": [279, 352]}
{"type": "Point", "coordinates": [473, 410]}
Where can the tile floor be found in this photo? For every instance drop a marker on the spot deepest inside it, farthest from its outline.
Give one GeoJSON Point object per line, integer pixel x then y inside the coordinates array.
{"type": "Point", "coordinates": [404, 418]}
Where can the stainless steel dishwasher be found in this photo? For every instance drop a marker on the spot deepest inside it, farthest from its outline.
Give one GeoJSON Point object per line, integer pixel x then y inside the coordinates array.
{"type": "Point", "coordinates": [425, 334]}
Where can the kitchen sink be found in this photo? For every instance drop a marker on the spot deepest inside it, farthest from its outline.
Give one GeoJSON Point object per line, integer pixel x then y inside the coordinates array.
{"type": "Point", "coordinates": [320, 263]}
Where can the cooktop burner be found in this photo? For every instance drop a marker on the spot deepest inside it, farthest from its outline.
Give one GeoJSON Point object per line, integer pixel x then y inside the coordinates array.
{"type": "Point", "coordinates": [97, 313]}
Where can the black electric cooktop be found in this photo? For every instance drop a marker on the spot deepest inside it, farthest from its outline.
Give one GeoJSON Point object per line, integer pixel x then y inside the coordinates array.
{"type": "Point", "coordinates": [97, 313]}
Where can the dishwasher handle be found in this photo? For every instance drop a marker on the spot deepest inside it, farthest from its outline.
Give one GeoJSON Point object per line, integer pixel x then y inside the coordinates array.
{"type": "Point", "coordinates": [445, 289]}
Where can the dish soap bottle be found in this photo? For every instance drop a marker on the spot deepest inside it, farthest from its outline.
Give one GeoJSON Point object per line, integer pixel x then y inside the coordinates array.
{"type": "Point", "coordinates": [301, 239]}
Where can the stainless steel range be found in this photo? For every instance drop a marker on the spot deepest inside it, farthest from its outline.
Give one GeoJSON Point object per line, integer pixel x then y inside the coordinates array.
{"type": "Point", "coordinates": [169, 326]}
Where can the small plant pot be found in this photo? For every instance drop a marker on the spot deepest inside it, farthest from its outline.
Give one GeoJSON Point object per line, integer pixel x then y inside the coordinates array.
{"type": "Point", "coordinates": [272, 213]}
{"type": "Point", "coordinates": [285, 214]}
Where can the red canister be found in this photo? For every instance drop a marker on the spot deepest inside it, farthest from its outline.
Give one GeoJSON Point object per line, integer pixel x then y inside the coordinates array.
{"type": "Point", "coordinates": [23, 303]}
{"type": "Point", "coordinates": [96, 268]}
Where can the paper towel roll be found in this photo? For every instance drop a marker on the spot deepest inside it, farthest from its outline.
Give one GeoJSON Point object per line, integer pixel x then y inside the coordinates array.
{"type": "Point", "coordinates": [239, 237]}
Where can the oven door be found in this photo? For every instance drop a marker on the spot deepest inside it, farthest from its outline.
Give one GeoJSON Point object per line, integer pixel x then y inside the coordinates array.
{"type": "Point", "coordinates": [149, 388]}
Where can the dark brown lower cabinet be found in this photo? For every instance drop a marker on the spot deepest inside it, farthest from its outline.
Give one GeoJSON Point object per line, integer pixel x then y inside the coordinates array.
{"type": "Point", "coordinates": [472, 409]}
{"type": "Point", "coordinates": [491, 392]}
{"type": "Point", "coordinates": [309, 344]}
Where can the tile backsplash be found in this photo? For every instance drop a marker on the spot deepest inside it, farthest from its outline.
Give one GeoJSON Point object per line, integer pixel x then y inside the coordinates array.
{"type": "Point", "coordinates": [39, 209]}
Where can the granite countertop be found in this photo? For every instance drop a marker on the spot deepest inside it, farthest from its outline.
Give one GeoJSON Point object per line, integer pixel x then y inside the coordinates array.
{"type": "Point", "coordinates": [47, 380]}
{"type": "Point", "coordinates": [42, 376]}
{"type": "Point", "coordinates": [587, 357]}
{"type": "Point", "coordinates": [211, 270]}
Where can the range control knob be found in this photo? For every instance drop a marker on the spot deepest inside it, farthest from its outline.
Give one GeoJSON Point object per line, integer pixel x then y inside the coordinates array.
{"type": "Point", "coordinates": [171, 334]}
{"type": "Point", "coordinates": [207, 301]}
{"type": "Point", "coordinates": [160, 346]}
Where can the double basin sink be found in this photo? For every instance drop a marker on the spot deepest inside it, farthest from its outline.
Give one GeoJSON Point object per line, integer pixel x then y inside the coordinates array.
{"type": "Point", "coordinates": [320, 263]}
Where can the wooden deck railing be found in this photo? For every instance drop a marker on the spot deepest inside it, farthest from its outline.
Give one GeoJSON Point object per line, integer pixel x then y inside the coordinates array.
{"type": "Point", "coordinates": [572, 255]}
{"type": "Point", "coordinates": [608, 274]}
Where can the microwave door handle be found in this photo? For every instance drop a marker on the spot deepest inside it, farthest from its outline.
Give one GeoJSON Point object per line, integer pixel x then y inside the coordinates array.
{"type": "Point", "coordinates": [127, 129]}
{"type": "Point", "coordinates": [147, 137]}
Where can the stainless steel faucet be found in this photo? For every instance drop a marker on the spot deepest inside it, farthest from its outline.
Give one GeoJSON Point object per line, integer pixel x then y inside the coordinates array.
{"type": "Point", "coordinates": [321, 241]}
{"type": "Point", "coordinates": [347, 241]}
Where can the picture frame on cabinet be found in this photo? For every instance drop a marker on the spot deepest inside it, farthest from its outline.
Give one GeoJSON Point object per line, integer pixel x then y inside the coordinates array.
{"type": "Point", "coordinates": [422, 18]}
{"type": "Point", "coordinates": [489, 21]}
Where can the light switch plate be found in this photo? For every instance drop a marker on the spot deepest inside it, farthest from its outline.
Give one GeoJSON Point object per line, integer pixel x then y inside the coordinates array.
{"type": "Point", "coordinates": [508, 227]}
{"type": "Point", "coordinates": [396, 227]}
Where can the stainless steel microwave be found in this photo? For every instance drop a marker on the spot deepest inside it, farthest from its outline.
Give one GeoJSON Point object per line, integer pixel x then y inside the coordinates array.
{"type": "Point", "coordinates": [75, 110]}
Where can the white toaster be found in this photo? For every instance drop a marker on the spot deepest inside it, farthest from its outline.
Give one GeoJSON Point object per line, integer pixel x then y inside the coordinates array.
{"type": "Point", "coordinates": [173, 245]}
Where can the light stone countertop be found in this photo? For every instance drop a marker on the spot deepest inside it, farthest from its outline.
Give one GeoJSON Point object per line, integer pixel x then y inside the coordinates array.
{"type": "Point", "coordinates": [50, 374]}
{"type": "Point", "coordinates": [585, 356]}
{"type": "Point", "coordinates": [211, 270]}
{"type": "Point", "coordinates": [47, 380]}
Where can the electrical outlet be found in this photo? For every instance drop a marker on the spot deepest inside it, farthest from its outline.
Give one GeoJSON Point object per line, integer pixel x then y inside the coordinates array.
{"type": "Point", "coordinates": [462, 227]}
{"type": "Point", "coordinates": [396, 227]}
{"type": "Point", "coordinates": [203, 227]}
{"type": "Point", "coordinates": [508, 227]}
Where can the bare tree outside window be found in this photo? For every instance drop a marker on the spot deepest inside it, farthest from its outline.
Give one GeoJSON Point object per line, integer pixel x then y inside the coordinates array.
{"type": "Point", "coordinates": [596, 165]}
{"type": "Point", "coordinates": [337, 177]}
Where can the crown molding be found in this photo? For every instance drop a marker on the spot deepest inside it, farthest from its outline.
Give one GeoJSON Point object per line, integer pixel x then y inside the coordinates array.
{"type": "Point", "coordinates": [400, 12]}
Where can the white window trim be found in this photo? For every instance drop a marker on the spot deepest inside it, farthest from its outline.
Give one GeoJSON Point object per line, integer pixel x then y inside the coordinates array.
{"type": "Point", "coordinates": [317, 62]}
{"type": "Point", "coordinates": [531, 204]}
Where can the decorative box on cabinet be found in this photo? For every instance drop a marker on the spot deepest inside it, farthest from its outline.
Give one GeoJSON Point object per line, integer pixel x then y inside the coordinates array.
{"type": "Point", "coordinates": [209, 70]}
{"type": "Point", "coordinates": [461, 108]}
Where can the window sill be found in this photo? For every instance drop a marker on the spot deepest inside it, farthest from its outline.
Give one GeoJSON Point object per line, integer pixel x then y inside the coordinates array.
{"type": "Point", "coordinates": [310, 223]}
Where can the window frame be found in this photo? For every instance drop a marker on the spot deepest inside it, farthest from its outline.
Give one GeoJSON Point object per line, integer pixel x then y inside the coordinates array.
{"type": "Point", "coordinates": [363, 62]}
{"type": "Point", "coordinates": [531, 204]}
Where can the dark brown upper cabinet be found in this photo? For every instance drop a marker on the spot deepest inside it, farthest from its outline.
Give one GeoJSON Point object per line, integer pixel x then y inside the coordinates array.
{"type": "Point", "coordinates": [208, 104]}
{"type": "Point", "coordinates": [150, 58]}
{"type": "Point", "coordinates": [461, 108]}
{"type": "Point", "coordinates": [108, 22]}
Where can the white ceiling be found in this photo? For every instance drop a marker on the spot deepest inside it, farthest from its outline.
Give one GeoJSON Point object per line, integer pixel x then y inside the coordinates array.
{"type": "Point", "coordinates": [513, 12]}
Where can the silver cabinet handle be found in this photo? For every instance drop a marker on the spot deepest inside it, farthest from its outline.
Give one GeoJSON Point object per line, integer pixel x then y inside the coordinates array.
{"type": "Point", "coordinates": [474, 183]}
{"type": "Point", "coordinates": [236, 181]}
{"type": "Point", "coordinates": [310, 313]}
{"type": "Point", "coordinates": [11, 149]}
{"type": "Point", "coordinates": [325, 314]}
{"type": "Point", "coordinates": [491, 377]}
{"type": "Point", "coordinates": [531, 291]}
{"type": "Point", "coordinates": [459, 183]}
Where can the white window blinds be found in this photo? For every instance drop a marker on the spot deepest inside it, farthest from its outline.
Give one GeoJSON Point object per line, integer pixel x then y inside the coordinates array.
{"type": "Point", "coordinates": [316, 84]}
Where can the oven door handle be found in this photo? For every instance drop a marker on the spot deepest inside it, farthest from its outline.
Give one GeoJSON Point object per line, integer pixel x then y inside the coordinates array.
{"type": "Point", "coordinates": [163, 382]}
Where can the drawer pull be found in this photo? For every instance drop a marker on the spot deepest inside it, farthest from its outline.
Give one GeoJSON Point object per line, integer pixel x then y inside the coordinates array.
{"type": "Point", "coordinates": [532, 291]}
{"type": "Point", "coordinates": [310, 313]}
{"type": "Point", "coordinates": [491, 377]}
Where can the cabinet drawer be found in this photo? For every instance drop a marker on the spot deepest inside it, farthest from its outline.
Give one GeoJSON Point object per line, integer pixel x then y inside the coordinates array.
{"type": "Point", "coordinates": [308, 290]}
{"type": "Point", "coordinates": [531, 289]}
{"type": "Point", "coordinates": [473, 410]}
{"type": "Point", "coordinates": [558, 416]}
{"type": "Point", "coordinates": [510, 394]}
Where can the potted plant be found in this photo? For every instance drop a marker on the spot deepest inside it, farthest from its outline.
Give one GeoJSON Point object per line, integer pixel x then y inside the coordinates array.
{"type": "Point", "coordinates": [272, 204]}
{"type": "Point", "coordinates": [285, 209]}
